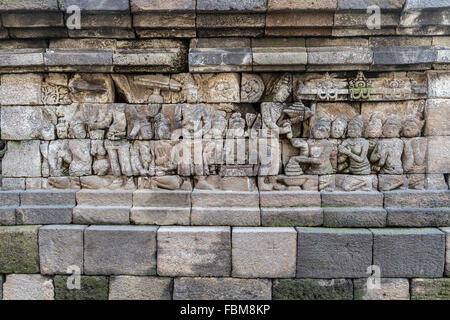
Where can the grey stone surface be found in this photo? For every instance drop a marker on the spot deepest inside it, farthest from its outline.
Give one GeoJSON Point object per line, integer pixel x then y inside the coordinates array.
{"type": "Point", "coordinates": [437, 112]}
{"type": "Point", "coordinates": [274, 54]}
{"type": "Point", "coordinates": [13, 184]}
{"type": "Point", "coordinates": [225, 216]}
{"type": "Point", "coordinates": [222, 289]}
{"type": "Point", "coordinates": [429, 4]}
{"type": "Point", "coordinates": [29, 5]}
{"type": "Point", "coordinates": [20, 89]}
{"type": "Point", "coordinates": [291, 217]}
{"type": "Point", "coordinates": [56, 57]}
{"type": "Point", "coordinates": [438, 157]}
{"type": "Point", "coordinates": [339, 56]}
{"type": "Point", "coordinates": [161, 198]}
{"type": "Point", "coordinates": [61, 247]}
{"type": "Point", "coordinates": [289, 199]}
{"type": "Point", "coordinates": [352, 199]}
{"type": "Point", "coordinates": [161, 216]}
{"type": "Point", "coordinates": [28, 287]}
{"type": "Point", "coordinates": [9, 198]}
{"type": "Point", "coordinates": [438, 83]}
{"type": "Point", "coordinates": [220, 60]}
{"type": "Point", "coordinates": [403, 55]}
{"type": "Point", "coordinates": [420, 199]}
{"type": "Point", "coordinates": [313, 289]}
{"type": "Point", "coordinates": [178, 5]}
{"type": "Point", "coordinates": [418, 217]}
{"type": "Point", "coordinates": [409, 252]}
{"type": "Point", "coordinates": [101, 215]}
{"type": "Point", "coordinates": [103, 197]}
{"type": "Point", "coordinates": [88, 5]}
{"type": "Point", "coordinates": [390, 289]}
{"type": "Point", "coordinates": [430, 289]}
{"type": "Point", "coordinates": [91, 288]}
{"type": "Point", "coordinates": [21, 57]}
{"type": "Point", "coordinates": [140, 288]}
{"type": "Point", "coordinates": [363, 4]}
{"type": "Point", "coordinates": [329, 253]}
{"type": "Point", "coordinates": [1, 287]}
{"type": "Point", "coordinates": [19, 251]}
{"type": "Point", "coordinates": [7, 216]}
{"type": "Point", "coordinates": [263, 252]}
{"type": "Point", "coordinates": [44, 214]}
{"type": "Point", "coordinates": [47, 198]}
{"type": "Point", "coordinates": [354, 217]}
{"type": "Point", "coordinates": [33, 19]}
{"type": "Point", "coordinates": [224, 199]}
{"type": "Point", "coordinates": [22, 159]}
{"type": "Point", "coordinates": [120, 250]}
{"type": "Point", "coordinates": [194, 251]}
{"type": "Point", "coordinates": [447, 251]}
{"type": "Point", "coordinates": [232, 5]}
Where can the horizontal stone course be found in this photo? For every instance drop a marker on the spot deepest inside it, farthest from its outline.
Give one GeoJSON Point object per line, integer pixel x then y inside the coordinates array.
{"type": "Point", "coordinates": [354, 217]}
{"type": "Point", "coordinates": [313, 289]}
{"type": "Point", "coordinates": [140, 288]}
{"type": "Point", "coordinates": [101, 214]}
{"type": "Point", "coordinates": [291, 217]}
{"type": "Point", "coordinates": [28, 287]}
{"type": "Point", "coordinates": [91, 288]}
{"type": "Point", "coordinates": [430, 289]}
{"type": "Point", "coordinates": [389, 289]}
{"type": "Point", "coordinates": [418, 217]}
{"type": "Point", "coordinates": [44, 214]}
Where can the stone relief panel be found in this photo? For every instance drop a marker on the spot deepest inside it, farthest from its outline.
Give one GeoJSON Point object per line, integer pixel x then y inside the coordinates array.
{"type": "Point", "coordinates": [311, 131]}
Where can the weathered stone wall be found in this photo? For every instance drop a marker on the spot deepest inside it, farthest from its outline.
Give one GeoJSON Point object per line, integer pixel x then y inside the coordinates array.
{"type": "Point", "coordinates": [204, 149]}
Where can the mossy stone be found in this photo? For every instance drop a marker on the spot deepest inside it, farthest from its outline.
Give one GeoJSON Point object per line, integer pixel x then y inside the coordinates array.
{"type": "Point", "coordinates": [430, 289]}
{"type": "Point", "coordinates": [92, 288]}
{"type": "Point", "coordinates": [19, 249]}
{"type": "Point", "coordinates": [313, 289]}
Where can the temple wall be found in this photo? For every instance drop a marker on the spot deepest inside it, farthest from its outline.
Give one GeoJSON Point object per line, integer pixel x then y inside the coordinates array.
{"type": "Point", "coordinates": [202, 149]}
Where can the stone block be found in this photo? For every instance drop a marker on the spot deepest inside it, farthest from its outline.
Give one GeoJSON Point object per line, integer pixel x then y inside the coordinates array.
{"type": "Point", "coordinates": [22, 159]}
{"type": "Point", "coordinates": [101, 215]}
{"type": "Point", "coordinates": [291, 217]}
{"type": "Point", "coordinates": [275, 199]}
{"type": "Point", "coordinates": [33, 19]}
{"type": "Point", "coordinates": [222, 199]}
{"type": "Point", "coordinates": [418, 217]}
{"type": "Point", "coordinates": [230, 24]}
{"type": "Point", "coordinates": [59, 57]}
{"type": "Point", "coordinates": [430, 289]}
{"type": "Point", "coordinates": [447, 254]}
{"type": "Point", "coordinates": [29, 5]}
{"type": "Point", "coordinates": [279, 54]}
{"type": "Point", "coordinates": [232, 5]}
{"type": "Point", "coordinates": [415, 198]}
{"type": "Point", "coordinates": [363, 4]}
{"type": "Point", "coordinates": [47, 198]}
{"type": "Point", "coordinates": [161, 216]}
{"type": "Point", "coordinates": [13, 184]}
{"type": "Point", "coordinates": [88, 5]}
{"type": "Point", "coordinates": [403, 55]}
{"type": "Point", "coordinates": [38, 33]}
{"type": "Point", "coordinates": [104, 84]}
{"type": "Point", "coordinates": [288, 5]}
{"type": "Point", "coordinates": [313, 289]}
{"type": "Point", "coordinates": [438, 157]}
{"type": "Point", "coordinates": [390, 289]}
{"type": "Point", "coordinates": [91, 288]}
{"type": "Point", "coordinates": [20, 89]}
{"type": "Point", "coordinates": [222, 289]}
{"type": "Point", "coordinates": [161, 198]}
{"type": "Point", "coordinates": [44, 214]}
{"type": "Point", "coordinates": [19, 249]}
{"type": "Point", "coordinates": [409, 252]}
{"type": "Point", "coordinates": [438, 84]}
{"type": "Point", "coordinates": [140, 288]}
{"type": "Point", "coordinates": [339, 56]}
{"type": "Point", "coordinates": [220, 55]}
{"type": "Point", "coordinates": [321, 253]}
{"type": "Point", "coordinates": [9, 199]}
{"type": "Point", "coordinates": [61, 247]}
{"type": "Point", "coordinates": [21, 58]}
{"type": "Point", "coordinates": [354, 217]}
{"type": "Point", "coordinates": [223, 216]}
{"type": "Point", "coordinates": [7, 216]}
{"type": "Point", "coordinates": [352, 199]}
{"type": "Point", "coordinates": [124, 250]}
{"type": "Point", "coordinates": [436, 115]}
{"type": "Point", "coordinates": [28, 287]}
{"type": "Point", "coordinates": [102, 197]}
{"type": "Point", "coordinates": [25, 123]}
{"type": "Point", "coordinates": [194, 251]}
{"type": "Point", "coordinates": [264, 252]}
{"type": "Point", "coordinates": [159, 5]}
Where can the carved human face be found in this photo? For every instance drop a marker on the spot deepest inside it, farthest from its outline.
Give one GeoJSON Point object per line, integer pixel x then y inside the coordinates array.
{"type": "Point", "coordinates": [338, 128]}
{"type": "Point", "coordinates": [412, 128]}
{"type": "Point", "coordinates": [282, 93]}
{"type": "Point", "coordinates": [391, 130]}
{"type": "Point", "coordinates": [354, 130]}
{"type": "Point", "coordinates": [374, 128]}
{"type": "Point", "coordinates": [321, 130]}
{"type": "Point", "coordinates": [61, 131]}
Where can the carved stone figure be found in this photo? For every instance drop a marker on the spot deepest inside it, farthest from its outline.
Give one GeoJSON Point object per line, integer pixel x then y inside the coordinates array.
{"type": "Point", "coordinates": [386, 156]}
{"type": "Point", "coordinates": [353, 152]}
{"type": "Point", "coordinates": [339, 127]}
{"type": "Point", "coordinates": [119, 157]}
{"type": "Point", "coordinates": [196, 121]}
{"type": "Point", "coordinates": [236, 126]}
{"type": "Point", "coordinates": [101, 164]}
{"type": "Point", "coordinates": [252, 88]}
{"type": "Point", "coordinates": [415, 149]}
{"type": "Point", "coordinates": [219, 125]}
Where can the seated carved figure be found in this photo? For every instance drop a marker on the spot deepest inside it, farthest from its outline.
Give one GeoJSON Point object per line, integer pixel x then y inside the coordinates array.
{"type": "Point", "coordinates": [315, 153]}
{"type": "Point", "coordinates": [387, 154]}
{"type": "Point", "coordinates": [352, 157]}
{"type": "Point", "coordinates": [415, 150]}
